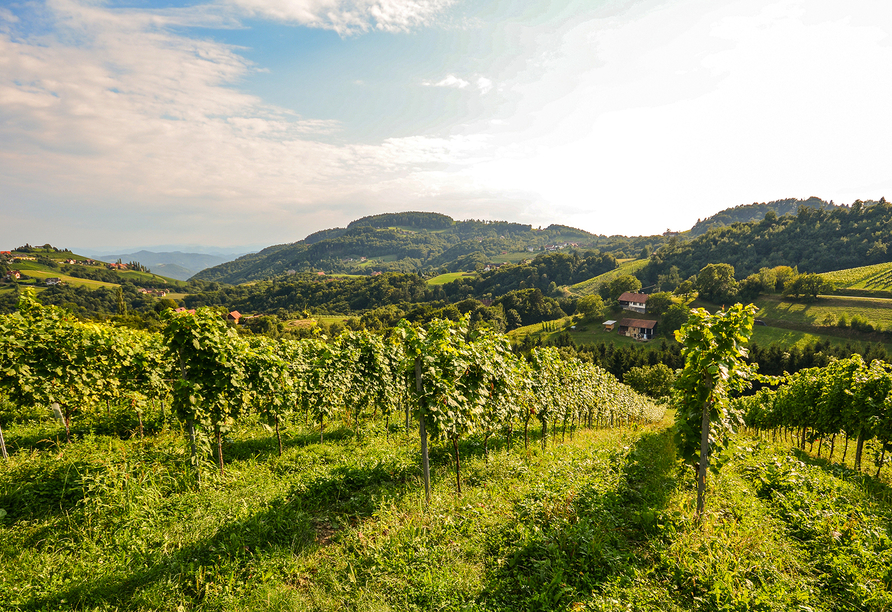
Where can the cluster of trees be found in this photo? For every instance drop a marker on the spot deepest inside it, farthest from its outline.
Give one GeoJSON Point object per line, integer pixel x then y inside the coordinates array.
{"type": "Point", "coordinates": [815, 239]}
{"type": "Point", "coordinates": [545, 272]}
{"type": "Point", "coordinates": [434, 241]}
{"type": "Point", "coordinates": [756, 212]}
{"type": "Point", "coordinates": [716, 283]}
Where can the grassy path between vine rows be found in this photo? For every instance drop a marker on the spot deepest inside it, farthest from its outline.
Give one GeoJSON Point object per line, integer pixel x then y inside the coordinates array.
{"type": "Point", "coordinates": [602, 522]}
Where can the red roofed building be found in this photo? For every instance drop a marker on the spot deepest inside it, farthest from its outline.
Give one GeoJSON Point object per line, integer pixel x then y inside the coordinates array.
{"type": "Point", "coordinates": [636, 302]}
{"type": "Point", "coordinates": [235, 315]}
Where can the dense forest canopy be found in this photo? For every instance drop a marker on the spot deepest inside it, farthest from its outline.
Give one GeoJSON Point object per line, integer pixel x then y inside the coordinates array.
{"type": "Point", "coordinates": [814, 240]}
{"type": "Point", "coordinates": [756, 212]}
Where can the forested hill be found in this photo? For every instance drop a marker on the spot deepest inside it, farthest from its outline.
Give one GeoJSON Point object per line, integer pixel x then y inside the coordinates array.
{"type": "Point", "coordinates": [756, 212]}
{"type": "Point", "coordinates": [402, 242]}
{"type": "Point", "coordinates": [425, 242]}
{"type": "Point", "coordinates": [815, 240]}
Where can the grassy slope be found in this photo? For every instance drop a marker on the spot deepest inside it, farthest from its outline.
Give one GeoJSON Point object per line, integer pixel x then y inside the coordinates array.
{"type": "Point", "coordinates": [592, 285]}
{"type": "Point", "coordinates": [40, 272]}
{"type": "Point", "coordinates": [826, 311]}
{"type": "Point", "coordinates": [602, 522]}
{"type": "Point", "coordinates": [442, 279]}
{"type": "Point", "coordinates": [864, 277]}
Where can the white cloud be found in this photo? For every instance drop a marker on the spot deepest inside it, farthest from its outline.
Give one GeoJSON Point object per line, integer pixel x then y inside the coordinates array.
{"type": "Point", "coordinates": [349, 16]}
{"type": "Point", "coordinates": [484, 84]}
{"type": "Point", "coordinates": [134, 120]}
{"type": "Point", "coordinates": [448, 81]}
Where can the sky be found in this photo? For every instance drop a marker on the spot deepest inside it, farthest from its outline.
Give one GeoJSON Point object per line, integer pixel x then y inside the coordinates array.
{"type": "Point", "coordinates": [128, 123]}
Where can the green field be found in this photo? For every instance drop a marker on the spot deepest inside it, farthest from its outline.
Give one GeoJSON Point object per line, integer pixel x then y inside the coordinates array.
{"type": "Point", "coordinates": [585, 332]}
{"type": "Point", "coordinates": [40, 272]}
{"type": "Point", "coordinates": [442, 279]}
{"type": "Point", "coordinates": [826, 311]}
{"type": "Point", "coordinates": [591, 286]}
{"type": "Point", "coordinates": [43, 274]}
{"type": "Point", "coordinates": [602, 521]}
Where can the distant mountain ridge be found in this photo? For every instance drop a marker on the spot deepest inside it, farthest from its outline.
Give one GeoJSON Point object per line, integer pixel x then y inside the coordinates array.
{"type": "Point", "coordinates": [428, 241]}
{"type": "Point", "coordinates": [399, 242]}
{"type": "Point", "coordinates": [756, 212]}
{"type": "Point", "coordinates": [180, 266]}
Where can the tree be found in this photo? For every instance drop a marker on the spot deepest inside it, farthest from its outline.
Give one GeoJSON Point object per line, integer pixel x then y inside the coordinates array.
{"type": "Point", "coordinates": [591, 307]}
{"type": "Point", "coordinates": [808, 286]}
{"type": "Point", "coordinates": [715, 283]}
{"type": "Point", "coordinates": [659, 303]}
{"type": "Point", "coordinates": [620, 285]}
{"type": "Point", "coordinates": [714, 353]}
{"type": "Point", "coordinates": [655, 381]}
{"type": "Point", "coordinates": [668, 282]}
{"type": "Point", "coordinates": [675, 317]}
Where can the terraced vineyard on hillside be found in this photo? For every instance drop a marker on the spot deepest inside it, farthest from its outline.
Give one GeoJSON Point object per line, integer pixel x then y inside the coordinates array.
{"type": "Point", "coordinates": [591, 286]}
{"type": "Point", "coordinates": [875, 277]}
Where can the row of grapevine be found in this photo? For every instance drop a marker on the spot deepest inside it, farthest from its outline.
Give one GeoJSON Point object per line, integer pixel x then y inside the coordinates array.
{"type": "Point", "coordinates": [456, 382]}
{"type": "Point", "coordinates": [848, 397]}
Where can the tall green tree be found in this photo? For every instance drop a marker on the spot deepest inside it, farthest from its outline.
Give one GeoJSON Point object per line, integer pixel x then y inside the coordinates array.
{"type": "Point", "coordinates": [715, 283]}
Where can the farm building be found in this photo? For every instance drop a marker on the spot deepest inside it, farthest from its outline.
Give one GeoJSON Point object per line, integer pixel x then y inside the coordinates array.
{"type": "Point", "coordinates": [636, 302]}
{"type": "Point", "coordinates": [637, 328]}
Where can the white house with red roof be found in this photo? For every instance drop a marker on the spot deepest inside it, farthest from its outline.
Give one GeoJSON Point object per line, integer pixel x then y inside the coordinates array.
{"type": "Point", "coordinates": [636, 302]}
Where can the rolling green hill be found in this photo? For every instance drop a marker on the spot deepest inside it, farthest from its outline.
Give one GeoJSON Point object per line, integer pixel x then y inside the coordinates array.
{"type": "Point", "coordinates": [591, 286]}
{"type": "Point", "coordinates": [401, 242]}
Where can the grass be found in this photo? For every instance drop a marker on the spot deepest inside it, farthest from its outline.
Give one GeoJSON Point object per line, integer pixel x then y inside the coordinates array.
{"type": "Point", "coordinates": [826, 311]}
{"type": "Point", "coordinates": [585, 332]}
{"type": "Point", "coordinates": [71, 280]}
{"type": "Point", "coordinates": [600, 522]}
{"type": "Point", "coordinates": [591, 286]}
{"type": "Point", "coordinates": [42, 272]}
{"type": "Point", "coordinates": [442, 279]}
{"type": "Point", "coordinates": [148, 278]}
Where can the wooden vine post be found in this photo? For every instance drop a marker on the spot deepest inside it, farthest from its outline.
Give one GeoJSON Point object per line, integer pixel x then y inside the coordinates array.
{"type": "Point", "coordinates": [713, 350]}
{"type": "Point", "coordinates": [422, 431]}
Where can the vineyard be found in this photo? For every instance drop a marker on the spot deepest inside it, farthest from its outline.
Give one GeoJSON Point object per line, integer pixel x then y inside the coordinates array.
{"type": "Point", "coordinates": [591, 286]}
{"type": "Point", "coordinates": [428, 468]}
{"type": "Point", "coordinates": [454, 382]}
{"type": "Point", "coordinates": [875, 277]}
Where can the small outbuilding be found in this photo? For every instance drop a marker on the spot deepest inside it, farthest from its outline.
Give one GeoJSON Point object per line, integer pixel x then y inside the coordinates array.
{"type": "Point", "coordinates": [609, 325]}
{"type": "Point", "coordinates": [638, 329]}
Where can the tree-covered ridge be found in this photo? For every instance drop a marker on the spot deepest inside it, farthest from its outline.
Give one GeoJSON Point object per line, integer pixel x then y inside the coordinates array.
{"type": "Point", "coordinates": [814, 240]}
{"type": "Point", "coordinates": [415, 220]}
{"type": "Point", "coordinates": [399, 242]}
{"type": "Point", "coordinates": [756, 212]}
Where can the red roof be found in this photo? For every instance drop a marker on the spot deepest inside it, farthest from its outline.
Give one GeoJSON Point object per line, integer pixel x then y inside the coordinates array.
{"type": "Point", "coordinates": [639, 323]}
{"type": "Point", "coordinates": [634, 297]}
